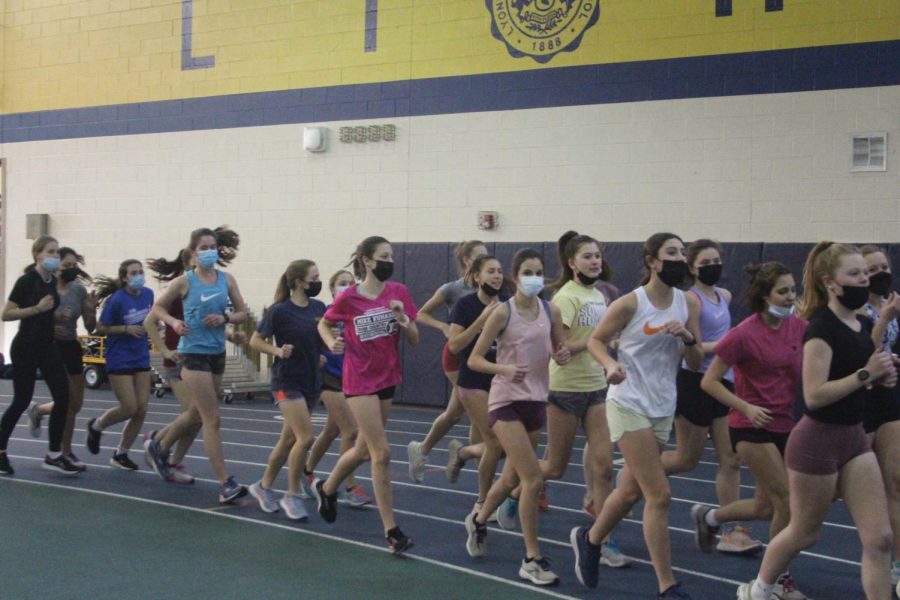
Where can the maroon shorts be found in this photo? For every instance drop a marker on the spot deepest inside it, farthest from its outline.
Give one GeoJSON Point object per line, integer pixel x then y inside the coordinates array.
{"type": "Point", "coordinates": [817, 448]}
{"type": "Point", "coordinates": [532, 414]}
{"type": "Point", "coordinates": [449, 361]}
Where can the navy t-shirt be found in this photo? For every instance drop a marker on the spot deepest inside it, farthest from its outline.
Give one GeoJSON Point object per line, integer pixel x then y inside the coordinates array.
{"type": "Point", "coordinates": [465, 312]}
{"type": "Point", "coordinates": [295, 325]}
{"type": "Point", "coordinates": [36, 330]}
{"type": "Point", "coordinates": [124, 351]}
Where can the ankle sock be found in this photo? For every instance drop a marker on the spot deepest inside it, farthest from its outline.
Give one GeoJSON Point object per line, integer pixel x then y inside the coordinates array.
{"type": "Point", "coordinates": [760, 590]}
{"type": "Point", "coordinates": [711, 518]}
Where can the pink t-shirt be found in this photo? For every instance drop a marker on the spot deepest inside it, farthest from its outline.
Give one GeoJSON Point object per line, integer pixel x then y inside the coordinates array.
{"type": "Point", "coordinates": [767, 364]}
{"type": "Point", "coordinates": [371, 337]}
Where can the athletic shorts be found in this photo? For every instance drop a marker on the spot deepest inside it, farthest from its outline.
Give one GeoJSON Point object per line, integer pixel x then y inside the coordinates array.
{"type": "Point", "coordinates": [449, 361]}
{"type": "Point", "coordinates": [331, 383]}
{"type": "Point", "coordinates": [694, 404]}
{"type": "Point", "coordinates": [757, 436]}
{"type": "Point", "coordinates": [882, 406]}
{"type": "Point", "coordinates": [208, 363]}
{"type": "Point", "coordinates": [817, 448]}
{"type": "Point", "coordinates": [577, 403]}
{"type": "Point", "coordinates": [174, 373]}
{"type": "Point", "coordinates": [71, 352]}
{"type": "Point", "coordinates": [127, 371]}
{"type": "Point", "coordinates": [623, 420]}
{"type": "Point", "coordinates": [532, 414]}
{"type": "Point", "coordinates": [385, 394]}
{"type": "Point", "coordinates": [294, 396]}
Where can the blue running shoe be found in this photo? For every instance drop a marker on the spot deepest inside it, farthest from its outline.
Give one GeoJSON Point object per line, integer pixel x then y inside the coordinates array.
{"type": "Point", "coordinates": [264, 496]}
{"type": "Point", "coordinates": [676, 592]}
{"type": "Point", "coordinates": [506, 514]}
{"type": "Point", "coordinates": [587, 557]}
{"type": "Point", "coordinates": [230, 491]}
{"type": "Point", "coordinates": [156, 458]}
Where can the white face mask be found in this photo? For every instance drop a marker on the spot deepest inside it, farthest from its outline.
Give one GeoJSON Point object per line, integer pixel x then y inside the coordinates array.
{"type": "Point", "coordinates": [531, 285]}
{"type": "Point", "coordinates": [339, 288]}
{"type": "Point", "coordinates": [781, 312]}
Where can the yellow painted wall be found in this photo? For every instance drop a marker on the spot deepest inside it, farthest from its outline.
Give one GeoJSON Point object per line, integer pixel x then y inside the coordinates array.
{"type": "Point", "coordinates": [72, 53]}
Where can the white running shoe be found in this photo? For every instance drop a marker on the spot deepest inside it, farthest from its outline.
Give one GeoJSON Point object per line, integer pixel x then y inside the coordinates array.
{"type": "Point", "coordinates": [293, 507]}
{"type": "Point", "coordinates": [538, 572]}
{"type": "Point", "coordinates": [612, 556]}
{"type": "Point", "coordinates": [417, 461]}
{"type": "Point", "coordinates": [506, 514]}
{"type": "Point", "coordinates": [265, 497]}
{"type": "Point", "coordinates": [785, 589]}
{"type": "Point", "coordinates": [454, 462]}
{"type": "Point", "coordinates": [476, 543]}
{"type": "Point", "coordinates": [737, 540]}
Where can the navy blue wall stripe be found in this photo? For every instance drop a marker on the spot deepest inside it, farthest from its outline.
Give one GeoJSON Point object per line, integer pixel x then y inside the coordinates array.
{"type": "Point", "coordinates": [777, 71]}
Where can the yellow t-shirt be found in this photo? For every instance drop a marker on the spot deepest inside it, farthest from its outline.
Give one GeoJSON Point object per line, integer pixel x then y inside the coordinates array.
{"type": "Point", "coordinates": [582, 308]}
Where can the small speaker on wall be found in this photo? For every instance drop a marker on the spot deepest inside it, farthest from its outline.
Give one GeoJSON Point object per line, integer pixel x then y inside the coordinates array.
{"type": "Point", "coordinates": [314, 139]}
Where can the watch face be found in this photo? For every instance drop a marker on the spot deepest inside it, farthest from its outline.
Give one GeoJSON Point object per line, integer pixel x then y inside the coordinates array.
{"type": "Point", "coordinates": [862, 374]}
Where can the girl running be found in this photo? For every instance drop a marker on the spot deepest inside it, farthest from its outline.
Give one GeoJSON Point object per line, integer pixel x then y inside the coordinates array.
{"type": "Point", "coordinates": [528, 332]}
{"type": "Point", "coordinates": [340, 419]}
{"type": "Point", "coordinates": [205, 292]}
{"type": "Point", "coordinates": [126, 303]}
{"type": "Point", "coordinates": [374, 313]}
{"type": "Point", "coordinates": [32, 301]}
{"type": "Point", "coordinates": [697, 414]}
{"type": "Point", "coordinates": [74, 302]}
{"type": "Point", "coordinates": [766, 352]}
{"type": "Point", "coordinates": [828, 452]}
{"type": "Point", "coordinates": [292, 322]}
{"type": "Point", "coordinates": [448, 294]}
{"type": "Point", "coordinates": [657, 325]}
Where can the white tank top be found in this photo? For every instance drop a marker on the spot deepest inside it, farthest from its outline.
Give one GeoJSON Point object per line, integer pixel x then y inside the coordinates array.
{"type": "Point", "coordinates": [650, 357]}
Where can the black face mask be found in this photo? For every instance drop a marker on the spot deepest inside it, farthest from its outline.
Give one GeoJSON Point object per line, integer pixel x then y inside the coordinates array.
{"type": "Point", "coordinates": [709, 274]}
{"type": "Point", "coordinates": [383, 270]}
{"type": "Point", "coordinates": [69, 275]}
{"type": "Point", "coordinates": [673, 272]}
{"type": "Point", "coordinates": [314, 288]}
{"type": "Point", "coordinates": [586, 280]}
{"type": "Point", "coordinates": [880, 283]}
{"type": "Point", "coordinates": [854, 296]}
{"type": "Point", "coordinates": [489, 290]}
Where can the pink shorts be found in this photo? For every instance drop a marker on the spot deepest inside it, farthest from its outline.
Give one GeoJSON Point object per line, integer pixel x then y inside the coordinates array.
{"type": "Point", "coordinates": [817, 448]}
{"type": "Point", "coordinates": [449, 361]}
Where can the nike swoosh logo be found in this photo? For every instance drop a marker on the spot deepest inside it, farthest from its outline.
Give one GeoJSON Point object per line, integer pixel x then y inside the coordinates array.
{"type": "Point", "coordinates": [648, 330]}
{"type": "Point", "coordinates": [204, 298]}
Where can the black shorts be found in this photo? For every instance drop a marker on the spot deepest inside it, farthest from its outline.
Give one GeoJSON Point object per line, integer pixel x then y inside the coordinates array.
{"type": "Point", "coordinates": [331, 383]}
{"type": "Point", "coordinates": [694, 404]}
{"type": "Point", "coordinates": [208, 363]}
{"type": "Point", "coordinates": [385, 394]}
{"type": "Point", "coordinates": [127, 371]}
{"type": "Point", "coordinates": [882, 406]}
{"type": "Point", "coordinates": [71, 352]}
{"type": "Point", "coordinates": [758, 436]}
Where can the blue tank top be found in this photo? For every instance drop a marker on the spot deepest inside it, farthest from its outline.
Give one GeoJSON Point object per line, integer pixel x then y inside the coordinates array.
{"type": "Point", "coordinates": [715, 321]}
{"type": "Point", "coordinates": [201, 300]}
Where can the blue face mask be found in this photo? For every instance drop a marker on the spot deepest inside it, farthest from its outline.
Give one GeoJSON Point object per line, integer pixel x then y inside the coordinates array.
{"type": "Point", "coordinates": [531, 285]}
{"type": "Point", "coordinates": [136, 282]}
{"type": "Point", "coordinates": [50, 263]}
{"type": "Point", "coordinates": [208, 258]}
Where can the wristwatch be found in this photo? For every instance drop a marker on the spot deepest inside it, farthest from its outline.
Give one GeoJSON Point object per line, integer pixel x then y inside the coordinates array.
{"type": "Point", "coordinates": [863, 375]}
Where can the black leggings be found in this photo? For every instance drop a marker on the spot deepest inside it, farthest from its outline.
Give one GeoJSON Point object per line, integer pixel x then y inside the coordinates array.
{"type": "Point", "coordinates": [26, 360]}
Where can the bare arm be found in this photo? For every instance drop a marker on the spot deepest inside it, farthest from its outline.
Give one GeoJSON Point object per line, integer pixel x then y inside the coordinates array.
{"type": "Point", "coordinates": [492, 328]}
{"type": "Point", "coordinates": [334, 343]}
{"type": "Point", "coordinates": [425, 317]}
{"type": "Point", "coordinates": [819, 392]}
{"type": "Point", "coordinates": [261, 344]}
{"type": "Point", "coordinates": [712, 385]}
{"type": "Point", "coordinates": [240, 313]}
{"type": "Point", "coordinates": [694, 354]}
{"type": "Point", "coordinates": [151, 324]}
{"type": "Point", "coordinates": [12, 312]}
{"type": "Point", "coordinates": [176, 290]}
{"type": "Point", "coordinates": [560, 352]}
{"type": "Point", "coordinates": [614, 321]}
{"type": "Point", "coordinates": [458, 338]}
{"type": "Point", "coordinates": [89, 312]}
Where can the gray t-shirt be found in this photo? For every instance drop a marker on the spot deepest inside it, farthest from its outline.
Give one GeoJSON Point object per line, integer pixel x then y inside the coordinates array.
{"type": "Point", "coordinates": [453, 291]}
{"type": "Point", "coordinates": [73, 300]}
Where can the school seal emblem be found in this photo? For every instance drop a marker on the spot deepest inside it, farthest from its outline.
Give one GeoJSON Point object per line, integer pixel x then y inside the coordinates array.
{"type": "Point", "coordinates": [541, 28]}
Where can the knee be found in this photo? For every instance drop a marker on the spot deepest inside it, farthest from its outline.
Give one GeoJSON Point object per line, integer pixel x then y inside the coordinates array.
{"type": "Point", "coordinates": [381, 457]}
{"type": "Point", "coordinates": [658, 499]}
{"type": "Point", "coordinates": [604, 472]}
{"type": "Point", "coordinates": [881, 543]}
{"type": "Point", "coordinates": [764, 511]}
{"type": "Point", "coordinates": [531, 486]}
{"type": "Point", "coordinates": [212, 421]}
{"type": "Point", "coordinates": [129, 411]}
{"type": "Point", "coordinates": [306, 443]}
{"type": "Point", "coordinates": [554, 471]}
{"type": "Point", "coordinates": [729, 463]}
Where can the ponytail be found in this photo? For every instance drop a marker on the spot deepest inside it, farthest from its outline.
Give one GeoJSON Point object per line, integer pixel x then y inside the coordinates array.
{"type": "Point", "coordinates": [823, 261]}
{"type": "Point", "coordinates": [567, 249]}
{"type": "Point", "coordinates": [296, 271]}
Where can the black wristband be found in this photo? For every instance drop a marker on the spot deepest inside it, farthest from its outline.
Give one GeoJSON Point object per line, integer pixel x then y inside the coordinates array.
{"type": "Point", "coordinates": [693, 342]}
{"type": "Point", "coordinates": [227, 318]}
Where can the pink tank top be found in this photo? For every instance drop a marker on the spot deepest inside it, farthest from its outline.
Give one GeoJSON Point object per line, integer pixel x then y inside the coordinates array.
{"type": "Point", "coordinates": [523, 342]}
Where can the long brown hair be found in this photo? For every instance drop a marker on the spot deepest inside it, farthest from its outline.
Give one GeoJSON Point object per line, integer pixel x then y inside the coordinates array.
{"type": "Point", "coordinates": [762, 279]}
{"type": "Point", "coordinates": [107, 286]}
{"type": "Point", "coordinates": [567, 248]}
{"type": "Point", "coordinates": [651, 250]}
{"type": "Point", "coordinates": [462, 252]}
{"type": "Point", "coordinates": [296, 271]}
{"type": "Point", "coordinates": [365, 249]}
{"type": "Point", "coordinates": [823, 261]}
{"type": "Point", "coordinates": [227, 242]}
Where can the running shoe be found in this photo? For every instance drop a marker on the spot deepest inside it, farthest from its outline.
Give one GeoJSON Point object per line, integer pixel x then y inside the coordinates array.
{"type": "Point", "coordinates": [737, 540]}
{"type": "Point", "coordinates": [293, 507]}
{"type": "Point", "coordinates": [327, 504]}
{"type": "Point", "coordinates": [306, 492]}
{"type": "Point", "coordinates": [612, 556]}
{"type": "Point", "coordinates": [543, 502]}
{"type": "Point", "coordinates": [476, 543]}
{"type": "Point", "coordinates": [506, 513]}
{"type": "Point", "coordinates": [587, 557]}
{"type": "Point", "coordinates": [676, 592]}
{"type": "Point", "coordinates": [397, 541]}
{"type": "Point", "coordinates": [178, 474]}
{"type": "Point", "coordinates": [265, 497]}
{"type": "Point", "coordinates": [93, 438]}
{"type": "Point", "coordinates": [417, 461]}
{"type": "Point", "coordinates": [121, 461]}
{"type": "Point", "coordinates": [60, 464]}
{"type": "Point", "coordinates": [76, 462]}
{"type": "Point", "coordinates": [743, 591]}
{"type": "Point", "coordinates": [5, 467]}
{"type": "Point", "coordinates": [230, 491]}
{"type": "Point", "coordinates": [895, 574]}
{"type": "Point", "coordinates": [156, 458]}
{"type": "Point", "coordinates": [785, 589]}
{"type": "Point", "coordinates": [704, 534]}
{"type": "Point", "coordinates": [454, 462]}
{"type": "Point", "coordinates": [34, 420]}
{"type": "Point", "coordinates": [538, 572]}
{"type": "Point", "coordinates": [354, 496]}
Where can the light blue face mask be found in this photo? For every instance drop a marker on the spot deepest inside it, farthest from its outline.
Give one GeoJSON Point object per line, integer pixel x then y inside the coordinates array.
{"type": "Point", "coordinates": [531, 285]}
{"type": "Point", "coordinates": [50, 263]}
{"type": "Point", "coordinates": [208, 258]}
{"type": "Point", "coordinates": [781, 312]}
{"type": "Point", "coordinates": [136, 282]}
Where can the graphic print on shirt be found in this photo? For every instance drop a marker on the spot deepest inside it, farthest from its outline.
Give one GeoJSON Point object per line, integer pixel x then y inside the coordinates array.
{"type": "Point", "coordinates": [650, 330]}
{"type": "Point", "coordinates": [589, 314]}
{"type": "Point", "coordinates": [375, 323]}
{"type": "Point", "coordinates": [135, 316]}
